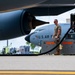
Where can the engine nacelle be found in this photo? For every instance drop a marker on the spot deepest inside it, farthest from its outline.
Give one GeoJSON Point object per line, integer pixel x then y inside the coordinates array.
{"type": "Point", "coordinates": [14, 24]}
{"type": "Point", "coordinates": [17, 23]}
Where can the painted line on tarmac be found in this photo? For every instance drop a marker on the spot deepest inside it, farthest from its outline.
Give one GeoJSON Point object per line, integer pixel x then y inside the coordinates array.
{"type": "Point", "coordinates": [36, 72]}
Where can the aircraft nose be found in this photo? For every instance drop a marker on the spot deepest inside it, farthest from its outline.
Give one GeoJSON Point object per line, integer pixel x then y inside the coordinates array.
{"type": "Point", "coordinates": [27, 38]}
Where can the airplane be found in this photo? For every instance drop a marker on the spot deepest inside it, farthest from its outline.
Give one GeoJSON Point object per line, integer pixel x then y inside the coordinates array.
{"type": "Point", "coordinates": [42, 37]}
{"type": "Point", "coordinates": [17, 17]}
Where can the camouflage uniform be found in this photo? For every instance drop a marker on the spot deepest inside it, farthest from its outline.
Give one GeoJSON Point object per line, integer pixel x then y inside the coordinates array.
{"type": "Point", "coordinates": [57, 40]}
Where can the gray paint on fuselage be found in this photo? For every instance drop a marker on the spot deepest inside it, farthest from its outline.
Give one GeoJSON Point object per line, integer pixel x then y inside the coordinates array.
{"type": "Point", "coordinates": [45, 33]}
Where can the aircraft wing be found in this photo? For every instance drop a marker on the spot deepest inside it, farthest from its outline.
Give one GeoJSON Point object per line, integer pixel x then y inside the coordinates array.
{"type": "Point", "coordinates": [7, 5]}
{"type": "Point", "coordinates": [46, 10]}
{"type": "Point", "coordinates": [20, 22]}
{"type": "Point", "coordinates": [52, 7]}
{"type": "Point", "coordinates": [38, 7]}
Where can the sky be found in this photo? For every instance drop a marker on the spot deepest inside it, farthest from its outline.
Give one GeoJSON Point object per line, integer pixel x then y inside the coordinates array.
{"type": "Point", "coordinates": [20, 40]}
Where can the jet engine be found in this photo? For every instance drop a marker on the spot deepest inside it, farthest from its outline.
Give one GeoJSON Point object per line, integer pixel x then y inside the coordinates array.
{"type": "Point", "coordinates": [17, 23]}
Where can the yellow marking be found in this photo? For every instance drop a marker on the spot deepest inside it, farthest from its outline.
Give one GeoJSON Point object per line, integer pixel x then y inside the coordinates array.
{"type": "Point", "coordinates": [35, 72]}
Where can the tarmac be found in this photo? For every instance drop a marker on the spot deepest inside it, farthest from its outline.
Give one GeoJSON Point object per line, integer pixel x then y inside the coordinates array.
{"type": "Point", "coordinates": [37, 65]}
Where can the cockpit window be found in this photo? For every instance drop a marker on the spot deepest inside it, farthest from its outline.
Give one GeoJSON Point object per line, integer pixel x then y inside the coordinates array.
{"type": "Point", "coordinates": [39, 30]}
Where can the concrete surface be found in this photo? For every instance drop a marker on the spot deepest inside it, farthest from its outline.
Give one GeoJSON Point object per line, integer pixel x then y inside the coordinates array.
{"type": "Point", "coordinates": [44, 62]}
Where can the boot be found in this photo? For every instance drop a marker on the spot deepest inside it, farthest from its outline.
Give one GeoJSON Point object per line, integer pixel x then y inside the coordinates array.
{"type": "Point", "coordinates": [57, 52]}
